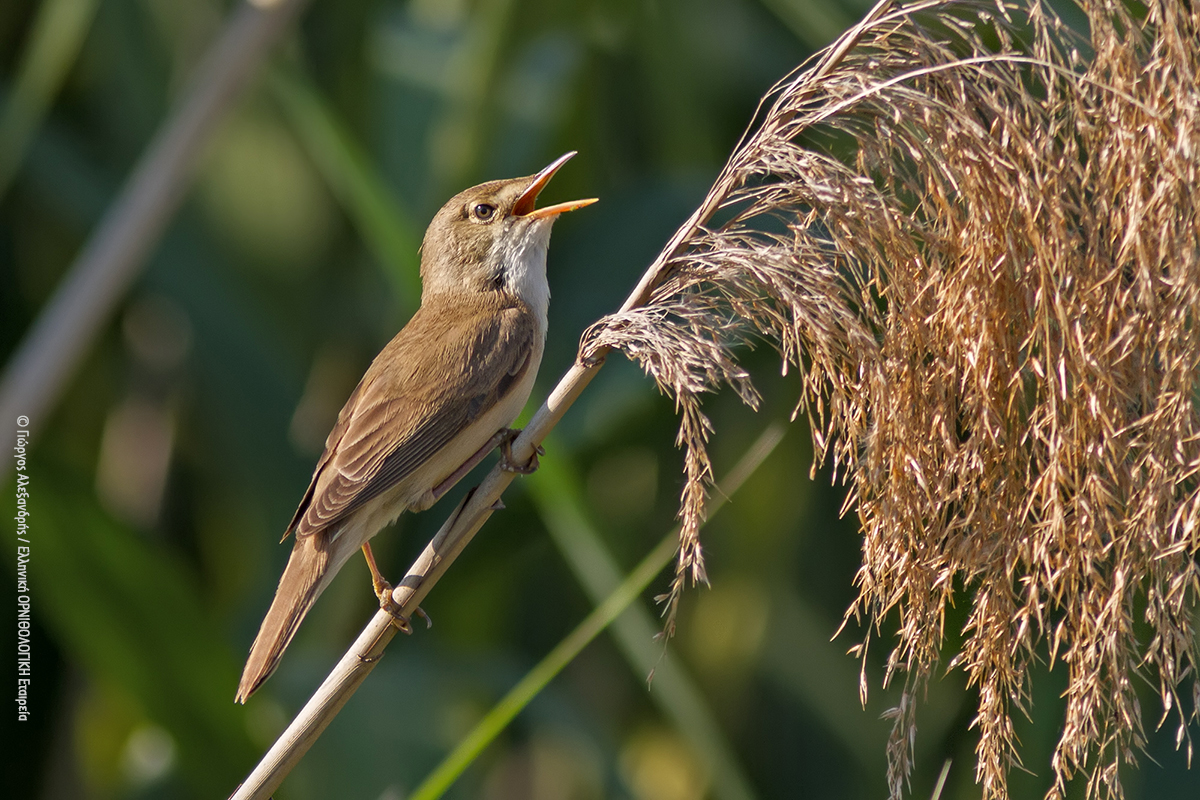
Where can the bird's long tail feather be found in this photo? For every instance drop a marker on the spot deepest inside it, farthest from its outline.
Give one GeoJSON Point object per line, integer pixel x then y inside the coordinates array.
{"type": "Point", "coordinates": [307, 573]}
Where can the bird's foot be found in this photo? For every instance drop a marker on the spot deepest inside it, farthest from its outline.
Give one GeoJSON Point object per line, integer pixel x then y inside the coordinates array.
{"type": "Point", "coordinates": [388, 604]}
{"type": "Point", "coordinates": [506, 457]}
{"type": "Point", "coordinates": [383, 591]}
{"type": "Point", "coordinates": [402, 622]}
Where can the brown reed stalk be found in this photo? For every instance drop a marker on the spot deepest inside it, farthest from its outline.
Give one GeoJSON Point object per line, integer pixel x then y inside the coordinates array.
{"type": "Point", "coordinates": [976, 234]}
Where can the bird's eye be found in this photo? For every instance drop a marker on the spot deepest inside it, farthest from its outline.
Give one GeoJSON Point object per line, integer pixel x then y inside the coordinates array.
{"type": "Point", "coordinates": [483, 211]}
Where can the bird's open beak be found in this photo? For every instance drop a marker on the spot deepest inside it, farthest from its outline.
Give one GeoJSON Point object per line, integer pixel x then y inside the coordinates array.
{"type": "Point", "coordinates": [524, 207]}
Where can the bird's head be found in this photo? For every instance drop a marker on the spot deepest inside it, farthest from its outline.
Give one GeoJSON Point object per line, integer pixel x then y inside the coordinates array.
{"type": "Point", "coordinates": [492, 237]}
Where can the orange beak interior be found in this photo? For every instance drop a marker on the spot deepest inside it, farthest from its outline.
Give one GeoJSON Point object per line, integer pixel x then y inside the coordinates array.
{"type": "Point", "coordinates": [524, 207]}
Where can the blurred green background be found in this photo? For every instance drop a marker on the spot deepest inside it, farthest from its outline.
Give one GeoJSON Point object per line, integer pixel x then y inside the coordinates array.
{"type": "Point", "coordinates": [162, 482]}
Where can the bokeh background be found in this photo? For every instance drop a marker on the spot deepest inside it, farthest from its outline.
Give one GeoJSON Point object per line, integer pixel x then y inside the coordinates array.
{"type": "Point", "coordinates": [162, 481]}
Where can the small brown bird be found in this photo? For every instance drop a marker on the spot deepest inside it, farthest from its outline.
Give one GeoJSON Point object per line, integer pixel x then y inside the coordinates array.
{"type": "Point", "coordinates": [434, 402]}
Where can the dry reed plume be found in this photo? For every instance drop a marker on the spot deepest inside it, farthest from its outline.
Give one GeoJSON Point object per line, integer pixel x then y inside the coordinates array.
{"type": "Point", "coordinates": [977, 236]}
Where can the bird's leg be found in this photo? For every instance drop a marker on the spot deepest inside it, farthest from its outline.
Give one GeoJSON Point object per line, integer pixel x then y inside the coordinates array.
{"type": "Point", "coordinates": [382, 587]}
{"type": "Point", "coordinates": [383, 591]}
{"type": "Point", "coordinates": [506, 457]}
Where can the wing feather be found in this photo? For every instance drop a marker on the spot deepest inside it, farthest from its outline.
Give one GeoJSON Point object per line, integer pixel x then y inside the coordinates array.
{"type": "Point", "coordinates": [442, 371]}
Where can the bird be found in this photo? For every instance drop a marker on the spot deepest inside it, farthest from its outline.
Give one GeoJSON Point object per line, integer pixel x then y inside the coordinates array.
{"type": "Point", "coordinates": [434, 402]}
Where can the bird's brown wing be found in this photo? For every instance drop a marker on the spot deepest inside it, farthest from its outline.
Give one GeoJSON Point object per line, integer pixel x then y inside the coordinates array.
{"type": "Point", "coordinates": [414, 400]}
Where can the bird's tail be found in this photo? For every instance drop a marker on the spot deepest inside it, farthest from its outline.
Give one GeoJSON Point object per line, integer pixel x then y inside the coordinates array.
{"type": "Point", "coordinates": [307, 573]}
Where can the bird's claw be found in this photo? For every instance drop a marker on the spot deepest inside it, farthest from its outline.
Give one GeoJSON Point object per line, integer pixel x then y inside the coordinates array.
{"type": "Point", "coordinates": [428, 621]}
{"type": "Point", "coordinates": [506, 457]}
{"type": "Point", "coordinates": [383, 590]}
